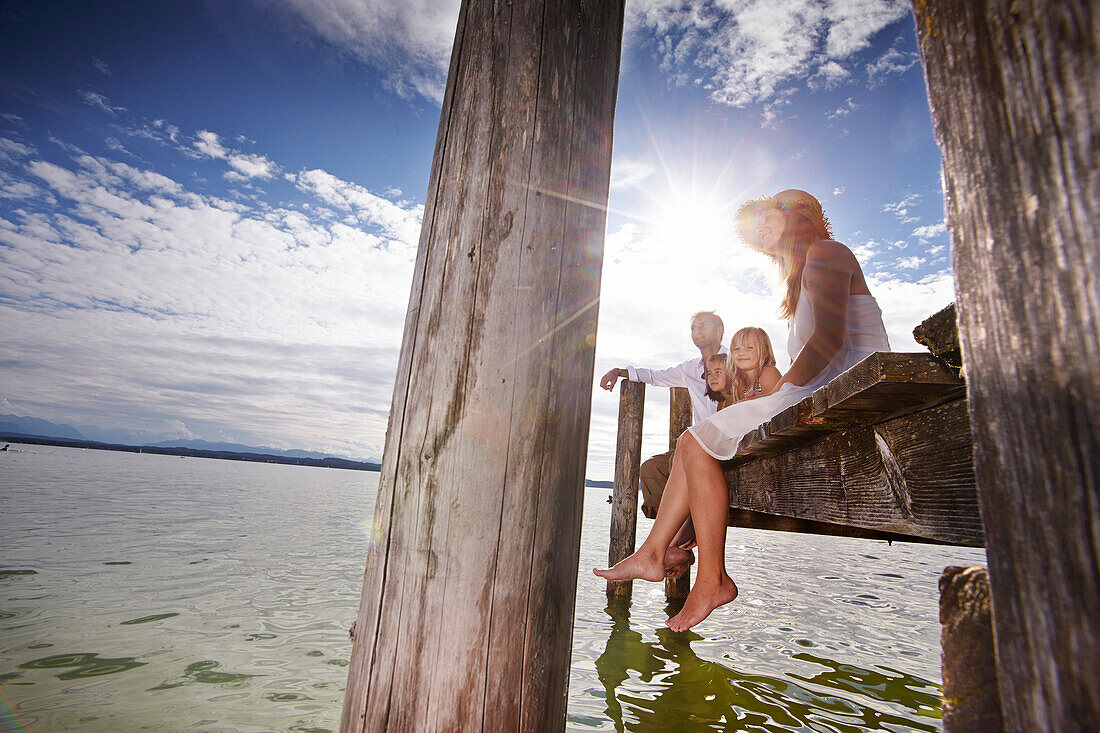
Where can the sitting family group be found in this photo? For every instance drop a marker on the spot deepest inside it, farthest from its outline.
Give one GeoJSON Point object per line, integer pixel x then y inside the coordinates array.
{"type": "Point", "coordinates": [833, 323]}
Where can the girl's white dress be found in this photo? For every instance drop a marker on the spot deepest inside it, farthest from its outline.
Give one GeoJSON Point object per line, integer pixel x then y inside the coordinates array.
{"type": "Point", "coordinates": [720, 433]}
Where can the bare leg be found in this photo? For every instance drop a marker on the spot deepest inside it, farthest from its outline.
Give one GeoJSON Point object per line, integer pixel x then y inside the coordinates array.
{"type": "Point", "coordinates": [647, 562]}
{"type": "Point", "coordinates": [708, 498]}
{"type": "Point", "coordinates": [686, 536]}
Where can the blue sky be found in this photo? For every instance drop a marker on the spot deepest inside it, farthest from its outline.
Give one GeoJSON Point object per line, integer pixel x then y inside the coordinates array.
{"type": "Point", "coordinates": [209, 210]}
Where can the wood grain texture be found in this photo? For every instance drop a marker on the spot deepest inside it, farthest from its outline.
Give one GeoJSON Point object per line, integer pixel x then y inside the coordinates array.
{"type": "Point", "coordinates": [970, 698]}
{"type": "Point", "coordinates": [679, 414]}
{"type": "Point", "coordinates": [911, 476]}
{"type": "Point", "coordinates": [939, 333]}
{"type": "Point", "coordinates": [1016, 111]}
{"type": "Point", "coordinates": [679, 419]}
{"type": "Point", "coordinates": [624, 497]}
{"type": "Point", "coordinates": [881, 385]}
{"type": "Point", "coordinates": [465, 618]}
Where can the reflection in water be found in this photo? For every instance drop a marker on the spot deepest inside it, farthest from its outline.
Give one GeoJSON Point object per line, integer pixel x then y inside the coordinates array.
{"type": "Point", "coordinates": [206, 673]}
{"type": "Point", "coordinates": [679, 691]}
{"type": "Point", "coordinates": [82, 665]}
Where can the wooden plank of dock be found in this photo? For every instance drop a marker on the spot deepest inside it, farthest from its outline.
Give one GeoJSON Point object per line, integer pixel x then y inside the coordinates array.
{"type": "Point", "coordinates": [909, 477]}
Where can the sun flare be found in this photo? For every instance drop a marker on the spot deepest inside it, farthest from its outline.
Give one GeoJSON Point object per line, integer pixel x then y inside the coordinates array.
{"type": "Point", "coordinates": [695, 226]}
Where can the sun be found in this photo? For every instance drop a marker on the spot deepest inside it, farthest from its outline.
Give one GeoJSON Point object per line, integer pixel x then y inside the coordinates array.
{"type": "Point", "coordinates": [694, 226]}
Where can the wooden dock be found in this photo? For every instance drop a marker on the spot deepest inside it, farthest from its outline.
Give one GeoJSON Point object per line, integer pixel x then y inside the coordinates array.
{"type": "Point", "coordinates": [883, 451]}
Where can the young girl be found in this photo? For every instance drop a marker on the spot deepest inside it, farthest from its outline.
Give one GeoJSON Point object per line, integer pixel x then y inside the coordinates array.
{"type": "Point", "coordinates": [753, 362]}
{"type": "Point", "coordinates": [748, 373]}
{"type": "Point", "coordinates": [834, 322]}
{"type": "Point", "coordinates": [719, 383]}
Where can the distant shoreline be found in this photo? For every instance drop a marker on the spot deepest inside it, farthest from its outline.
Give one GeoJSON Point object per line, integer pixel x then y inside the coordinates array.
{"type": "Point", "coordinates": [192, 452]}
{"type": "Point", "coordinates": [344, 463]}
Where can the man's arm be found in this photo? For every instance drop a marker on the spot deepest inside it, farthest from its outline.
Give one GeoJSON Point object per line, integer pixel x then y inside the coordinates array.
{"type": "Point", "coordinates": [674, 376]}
{"type": "Point", "coordinates": [608, 381]}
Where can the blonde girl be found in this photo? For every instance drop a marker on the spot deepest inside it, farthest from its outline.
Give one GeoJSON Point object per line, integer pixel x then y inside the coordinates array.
{"type": "Point", "coordinates": [752, 364]}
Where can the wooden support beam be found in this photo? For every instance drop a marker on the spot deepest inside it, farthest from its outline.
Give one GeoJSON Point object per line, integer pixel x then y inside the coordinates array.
{"type": "Point", "coordinates": [909, 476]}
{"type": "Point", "coordinates": [679, 420]}
{"type": "Point", "coordinates": [624, 497]}
{"type": "Point", "coordinates": [1016, 111]}
{"type": "Point", "coordinates": [884, 383]}
{"type": "Point", "coordinates": [881, 385]}
{"type": "Point", "coordinates": [465, 621]}
{"type": "Point", "coordinates": [679, 414]}
{"type": "Point", "coordinates": [970, 698]}
{"type": "Point", "coordinates": [749, 519]}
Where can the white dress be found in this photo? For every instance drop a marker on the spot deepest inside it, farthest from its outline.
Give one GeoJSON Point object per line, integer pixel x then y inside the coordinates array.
{"type": "Point", "coordinates": [720, 433]}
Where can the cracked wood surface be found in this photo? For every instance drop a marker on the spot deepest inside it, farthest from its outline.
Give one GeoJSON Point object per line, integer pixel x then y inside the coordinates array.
{"type": "Point", "coordinates": [465, 617]}
{"type": "Point", "coordinates": [1016, 111]}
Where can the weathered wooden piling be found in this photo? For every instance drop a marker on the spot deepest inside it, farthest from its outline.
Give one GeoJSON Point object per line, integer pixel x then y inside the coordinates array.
{"type": "Point", "coordinates": [970, 698]}
{"type": "Point", "coordinates": [465, 621]}
{"type": "Point", "coordinates": [679, 420]}
{"type": "Point", "coordinates": [624, 497]}
{"type": "Point", "coordinates": [1016, 110]}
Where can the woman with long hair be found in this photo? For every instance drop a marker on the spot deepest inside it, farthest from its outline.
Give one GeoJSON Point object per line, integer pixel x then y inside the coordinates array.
{"type": "Point", "coordinates": [834, 322]}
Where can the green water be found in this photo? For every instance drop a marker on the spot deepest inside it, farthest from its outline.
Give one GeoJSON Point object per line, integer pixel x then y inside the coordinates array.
{"type": "Point", "coordinates": [160, 593]}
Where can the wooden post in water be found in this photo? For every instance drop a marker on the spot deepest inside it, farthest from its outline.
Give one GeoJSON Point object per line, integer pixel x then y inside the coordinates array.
{"type": "Point", "coordinates": [624, 499]}
{"type": "Point", "coordinates": [970, 699]}
{"type": "Point", "coordinates": [1016, 110]}
{"type": "Point", "coordinates": [465, 621]}
{"type": "Point", "coordinates": [679, 420]}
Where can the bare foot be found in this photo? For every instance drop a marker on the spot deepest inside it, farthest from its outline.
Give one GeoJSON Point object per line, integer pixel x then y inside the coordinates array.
{"type": "Point", "coordinates": [639, 566]}
{"type": "Point", "coordinates": [703, 598]}
{"type": "Point", "coordinates": [677, 561]}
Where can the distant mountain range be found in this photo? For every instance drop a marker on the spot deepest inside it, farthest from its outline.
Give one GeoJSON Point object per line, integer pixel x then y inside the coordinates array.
{"type": "Point", "coordinates": [15, 425]}
{"type": "Point", "coordinates": [37, 426]}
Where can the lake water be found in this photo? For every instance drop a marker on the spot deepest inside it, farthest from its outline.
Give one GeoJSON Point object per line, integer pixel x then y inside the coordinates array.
{"type": "Point", "coordinates": [145, 592]}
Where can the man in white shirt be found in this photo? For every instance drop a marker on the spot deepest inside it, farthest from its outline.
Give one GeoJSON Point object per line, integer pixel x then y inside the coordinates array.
{"type": "Point", "coordinates": [707, 330]}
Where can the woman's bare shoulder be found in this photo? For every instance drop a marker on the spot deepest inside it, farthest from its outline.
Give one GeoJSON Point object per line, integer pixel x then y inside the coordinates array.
{"type": "Point", "coordinates": [828, 250]}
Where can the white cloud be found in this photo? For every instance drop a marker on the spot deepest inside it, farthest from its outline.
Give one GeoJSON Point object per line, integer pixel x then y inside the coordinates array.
{"type": "Point", "coordinates": [11, 150]}
{"type": "Point", "coordinates": [905, 304]}
{"type": "Point", "coordinates": [891, 62]}
{"type": "Point", "coordinates": [928, 231]}
{"type": "Point", "coordinates": [100, 102]}
{"type": "Point", "coordinates": [398, 222]}
{"type": "Point", "coordinates": [252, 166]}
{"type": "Point", "coordinates": [750, 51]}
{"type": "Point", "coordinates": [629, 172]}
{"type": "Point", "coordinates": [239, 318]}
{"type": "Point", "coordinates": [901, 208]}
{"type": "Point", "coordinates": [408, 42]}
{"type": "Point", "coordinates": [843, 110]}
{"type": "Point", "coordinates": [838, 190]}
{"type": "Point", "coordinates": [866, 251]}
{"type": "Point", "coordinates": [209, 144]}
{"type": "Point", "coordinates": [909, 263]}
{"type": "Point", "coordinates": [101, 66]}
{"type": "Point", "coordinates": [828, 76]}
